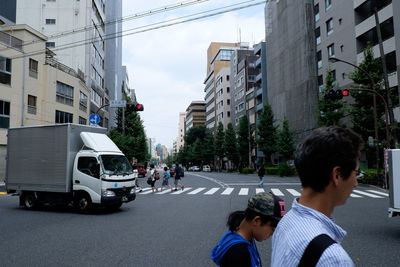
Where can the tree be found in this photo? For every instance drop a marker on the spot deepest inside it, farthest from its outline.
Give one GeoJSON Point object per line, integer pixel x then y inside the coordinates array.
{"type": "Point", "coordinates": [286, 141]}
{"type": "Point", "coordinates": [230, 145]}
{"type": "Point", "coordinates": [266, 132]}
{"type": "Point", "coordinates": [331, 111]}
{"type": "Point", "coordinates": [209, 148]}
{"type": "Point", "coordinates": [219, 144]}
{"type": "Point", "coordinates": [133, 143]}
{"type": "Point", "coordinates": [243, 141]}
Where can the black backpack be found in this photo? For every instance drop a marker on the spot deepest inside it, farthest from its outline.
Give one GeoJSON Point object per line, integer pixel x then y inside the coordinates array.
{"type": "Point", "coordinates": [315, 249]}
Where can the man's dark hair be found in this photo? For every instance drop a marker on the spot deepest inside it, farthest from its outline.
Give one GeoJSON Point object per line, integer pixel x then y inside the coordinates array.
{"type": "Point", "coordinates": [324, 149]}
{"type": "Point", "coordinates": [236, 217]}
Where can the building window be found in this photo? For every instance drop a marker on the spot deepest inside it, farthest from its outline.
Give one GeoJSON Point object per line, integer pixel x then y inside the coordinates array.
{"type": "Point", "coordinates": [329, 27]}
{"type": "Point", "coordinates": [328, 4]}
{"type": "Point", "coordinates": [227, 89]}
{"type": "Point", "coordinates": [341, 48]}
{"type": "Point", "coordinates": [65, 94]}
{"type": "Point", "coordinates": [320, 82]}
{"type": "Point", "coordinates": [334, 75]}
{"type": "Point", "coordinates": [83, 102]}
{"type": "Point", "coordinates": [51, 0]}
{"type": "Point", "coordinates": [63, 117]}
{"type": "Point", "coordinates": [50, 21]}
{"type": "Point", "coordinates": [343, 75]}
{"type": "Point", "coordinates": [33, 68]}
{"type": "Point", "coordinates": [227, 78]}
{"type": "Point", "coordinates": [32, 100]}
{"type": "Point", "coordinates": [229, 114]}
{"type": "Point", "coordinates": [331, 50]}
{"type": "Point", "coordinates": [5, 70]}
{"type": "Point", "coordinates": [340, 21]}
{"type": "Point", "coordinates": [82, 120]}
{"type": "Point", "coordinates": [316, 12]}
{"type": "Point", "coordinates": [228, 101]}
{"type": "Point", "coordinates": [50, 44]}
{"type": "Point", "coordinates": [318, 35]}
{"type": "Point", "coordinates": [319, 59]}
{"type": "Point", "coordinates": [4, 114]}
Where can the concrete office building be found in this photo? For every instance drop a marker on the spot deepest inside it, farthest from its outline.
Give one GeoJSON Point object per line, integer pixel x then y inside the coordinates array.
{"type": "Point", "coordinates": [291, 64]}
{"type": "Point", "coordinates": [181, 131]}
{"type": "Point", "coordinates": [7, 10]}
{"type": "Point", "coordinates": [223, 97]}
{"type": "Point", "coordinates": [62, 16]}
{"type": "Point", "coordinates": [218, 57]}
{"type": "Point", "coordinates": [195, 115]}
{"type": "Point", "coordinates": [35, 89]}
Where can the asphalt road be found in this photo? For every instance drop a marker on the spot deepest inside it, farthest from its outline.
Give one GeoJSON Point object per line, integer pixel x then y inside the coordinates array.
{"type": "Point", "coordinates": [178, 229]}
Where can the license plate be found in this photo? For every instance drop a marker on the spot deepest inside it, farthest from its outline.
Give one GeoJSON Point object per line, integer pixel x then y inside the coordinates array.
{"type": "Point", "coordinates": [124, 199]}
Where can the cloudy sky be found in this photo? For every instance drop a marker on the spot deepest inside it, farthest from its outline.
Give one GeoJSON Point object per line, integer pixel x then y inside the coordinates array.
{"type": "Point", "coordinates": [167, 66]}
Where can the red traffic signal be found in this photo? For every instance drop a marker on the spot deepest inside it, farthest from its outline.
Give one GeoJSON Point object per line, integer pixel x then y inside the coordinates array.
{"type": "Point", "coordinates": [134, 107]}
{"type": "Point", "coordinates": [345, 92]}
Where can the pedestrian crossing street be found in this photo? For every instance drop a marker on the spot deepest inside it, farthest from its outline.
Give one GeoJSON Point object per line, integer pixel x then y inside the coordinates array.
{"type": "Point", "coordinates": [245, 191]}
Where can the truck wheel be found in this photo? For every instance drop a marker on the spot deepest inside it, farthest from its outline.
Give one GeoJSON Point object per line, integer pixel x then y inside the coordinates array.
{"type": "Point", "coordinates": [29, 200]}
{"type": "Point", "coordinates": [83, 203]}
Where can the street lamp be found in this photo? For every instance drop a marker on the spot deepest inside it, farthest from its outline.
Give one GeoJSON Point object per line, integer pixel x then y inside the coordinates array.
{"type": "Point", "coordinates": [334, 59]}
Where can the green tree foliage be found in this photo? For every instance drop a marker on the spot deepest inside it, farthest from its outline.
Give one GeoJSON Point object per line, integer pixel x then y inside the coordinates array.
{"type": "Point", "coordinates": [219, 144]}
{"type": "Point", "coordinates": [331, 111]}
{"type": "Point", "coordinates": [286, 141]}
{"type": "Point", "coordinates": [230, 145]}
{"type": "Point", "coordinates": [266, 132]}
{"type": "Point", "coordinates": [133, 143]}
{"type": "Point", "coordinates": [243, 141]}
{"type": "Point", "coordinates": [199, 147]}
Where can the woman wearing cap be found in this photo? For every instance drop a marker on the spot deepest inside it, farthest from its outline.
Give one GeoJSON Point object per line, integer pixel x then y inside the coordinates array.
{"type": "Point", "coordinates": [237, 247]}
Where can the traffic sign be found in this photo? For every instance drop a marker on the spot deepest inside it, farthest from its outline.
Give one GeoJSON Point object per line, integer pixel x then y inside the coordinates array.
{"type": "Point", "coordinates": [117, 103]}
{"type": "Point", "coordinates": [94, 118]}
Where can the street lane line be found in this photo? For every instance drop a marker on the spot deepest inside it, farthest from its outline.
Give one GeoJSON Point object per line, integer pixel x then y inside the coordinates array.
{"type": "Point", "coordinates": [277, 192]}
{"type": "Point", "coordinates": [379, 193]}
{"type": "Point", "coordinates": [146, 192]}
{"type": "Point", "coordinates": [211, 191]}
{"type": "Point", "coordinates": [198, 190]}
{"type": "Point", "coordinates": [265, 184]}
{"type": "Point", "coordinates": [243, 192]}
{"type": "Point", "coordinates": [165, 191]}
{"type": "Point", "coordinates": [180, 191]}
{"type": "Point", "coordinates": [366, 194]}
{"type": "Point", "coordinates": [259, 190]}
{"type": "Point", "coordinates": [293, 192]}
{"type": "Point", "coordinates": [227, 191]}
{"type": "Point", "coordinates": [223, 185]}
{"type": "Point", "coordinates": [355, 196]}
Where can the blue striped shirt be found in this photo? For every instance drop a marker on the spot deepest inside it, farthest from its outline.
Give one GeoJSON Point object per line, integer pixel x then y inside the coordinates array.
{"type": "Point", "coordinates": [296, 230]}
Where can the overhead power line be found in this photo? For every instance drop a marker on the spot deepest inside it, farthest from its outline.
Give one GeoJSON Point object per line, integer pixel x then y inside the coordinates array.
{"type": "Point", "coordinates": [119, 34]}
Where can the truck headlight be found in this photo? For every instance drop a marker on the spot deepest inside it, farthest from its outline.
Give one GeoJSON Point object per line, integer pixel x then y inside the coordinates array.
{"type": "Point", "coordinates": [108, 193]}
{"type": "Point", "coordinates": [133, 191]}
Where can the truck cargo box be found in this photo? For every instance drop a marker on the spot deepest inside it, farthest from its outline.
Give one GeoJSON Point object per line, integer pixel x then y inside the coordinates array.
{"type": "Point", "coordinates": [41, 158]}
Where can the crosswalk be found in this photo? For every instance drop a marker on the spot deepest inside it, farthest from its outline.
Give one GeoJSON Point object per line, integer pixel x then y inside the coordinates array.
{"type": "Point", "coordinates": [245, 191]}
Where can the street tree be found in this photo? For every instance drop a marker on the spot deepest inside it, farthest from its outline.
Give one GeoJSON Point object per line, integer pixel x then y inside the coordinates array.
{"type": "Point", "coordinates": [219, 145]}
{"type": "Point", "coordinates": [243, 141]}
{"type": "Point", "coordinates": [331, 111]}
{"type": "Point", "coordinates": [286, 145]}
{"type": "Point", "coordinates": [230, 145]}
{"type": "Point", "coordinates": [209, 149]}
{"type": "Point", "coordinates": [266, 132]}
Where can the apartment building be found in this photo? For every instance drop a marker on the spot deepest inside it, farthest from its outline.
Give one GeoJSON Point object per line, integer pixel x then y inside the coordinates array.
{"type": "Point", "coordinates": [83, 25]}
{"type": "Point", "coordinates": [218, 57]}
{"type": "Point", "coordinates": [195, 115]}
{"type": "Point", "coordinates": [36, 89]}
{"type": "Point", "coordinates": [223, 97]}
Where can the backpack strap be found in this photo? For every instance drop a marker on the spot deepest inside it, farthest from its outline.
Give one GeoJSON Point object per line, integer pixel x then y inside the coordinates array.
{"type": "Point", "coordinates": [315, 249]}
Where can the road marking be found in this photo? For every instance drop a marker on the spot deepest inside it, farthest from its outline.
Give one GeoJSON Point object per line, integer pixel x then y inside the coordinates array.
{"type": "Point", "coordinates": [243, 192]}
{"type": "Point", "coordinates": [227, 191]}
{"type": "Point", "coordinates": [293, 192]}
{"type": "Point", "coordinates": [146, 192]}
{"type": "Point", "coordinates": [180, 191]}
{"type": "Point", "coordinates": [165, 191]}
{"type": "Point", "coordinates": [379, 193]}
{"type": "Point", "coordinates": [223, 185]}
{"type": "Point", "coordinates": [211, 191]}
{"type": "Point", "coordinates": [355, 196]}
{"type": "Point", "coordinates": [366, 194]}
{"type": "Point", "coordinates": [259, 190]}
{"type": "Point", "coordinates": [277, 192]}
{"type": "Point", "coordinates": [265, 184]}
{"type": "Point", "coordinates": [198, 190]}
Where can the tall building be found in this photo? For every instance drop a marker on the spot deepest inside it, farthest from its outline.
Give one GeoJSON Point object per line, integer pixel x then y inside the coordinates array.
{"type": "Point", "coordinates": [181, 131]}
{"type": "Point", "coordinates": [7, 9]}
{"type": "Point", "coordinates": [223, 97]}
{"type": "Point", "coordinates": [291, 64]}
{"type": "Point", "coordinates": [195, 115]}
{"type": "Point", "coordinates": [87, 19]}
{"type": "Point", "coordinates": [218, 57]}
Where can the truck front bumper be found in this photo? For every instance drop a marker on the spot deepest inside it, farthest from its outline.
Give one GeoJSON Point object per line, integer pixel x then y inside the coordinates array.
{"type": "Point", "coordinates": [118, 199]}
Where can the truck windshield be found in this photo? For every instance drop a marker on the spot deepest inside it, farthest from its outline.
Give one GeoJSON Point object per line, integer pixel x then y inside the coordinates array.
{"type": "Point", "coordinates": [116, 165]}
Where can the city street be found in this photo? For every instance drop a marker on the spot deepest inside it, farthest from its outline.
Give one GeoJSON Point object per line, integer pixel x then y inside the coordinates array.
{"type": "Point", "coordinates": [180, 228]}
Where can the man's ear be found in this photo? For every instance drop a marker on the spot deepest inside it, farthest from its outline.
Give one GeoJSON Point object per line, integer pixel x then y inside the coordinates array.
{"type": "Point", "coordinates": [256, 220]}
{"type": "Point", "coordinates": [335, 175]}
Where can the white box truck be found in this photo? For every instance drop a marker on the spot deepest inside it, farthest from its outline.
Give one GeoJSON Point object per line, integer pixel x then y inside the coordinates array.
{"type": "Point", "coordinates": [394, 182]}
{"type": "Point", "coordinates": [67, 163]}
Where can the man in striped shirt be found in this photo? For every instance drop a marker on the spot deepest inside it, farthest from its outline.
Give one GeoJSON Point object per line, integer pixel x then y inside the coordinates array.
{"type": "Point", "coordinates": [327, 164]}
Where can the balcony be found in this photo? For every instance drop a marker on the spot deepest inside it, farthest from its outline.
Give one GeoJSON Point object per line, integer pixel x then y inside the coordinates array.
{"type": "Point", "coordinates": [258, 62]}
{"type": "Point", "coordinates": [259, 77]}
{"type": "Point", "coordinates": [259, 91]}
{"type": "Point", "coordinates": [11, 41]}
{"type": "Point", "coordinates": [259, 107]}
{"type": "Point", "coordinates": [388, 46]}
{"type": "Point", "coordinates": [369, 23]}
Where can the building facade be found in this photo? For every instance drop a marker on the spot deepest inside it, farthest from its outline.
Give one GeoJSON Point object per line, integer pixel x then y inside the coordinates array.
{"type": "Point", "coordinates": [181, 131]}
{"type": "Point", "coordinates": [195, 115]}
{"type": "Point", "coordinates": [223, 97]}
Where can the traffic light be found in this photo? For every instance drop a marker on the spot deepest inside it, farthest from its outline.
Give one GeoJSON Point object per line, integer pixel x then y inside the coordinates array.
{"type": "Point", "coordinates": [134, 107]}
{"type": "Point", "coordinates": [336, 94]}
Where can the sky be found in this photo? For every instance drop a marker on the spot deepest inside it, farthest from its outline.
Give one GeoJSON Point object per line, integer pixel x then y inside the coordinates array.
{"type": "Point", "coordinates": [167, 66]}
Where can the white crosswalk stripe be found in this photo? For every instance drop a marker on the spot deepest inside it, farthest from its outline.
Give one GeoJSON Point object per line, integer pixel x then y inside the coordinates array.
{"type": "Point", "coordinates": [379, 193]}
{"type": "Point", "coordinates": [198, 190]}
{"type": "Point", "coordinates": [366, 194]}
{"type": "Point", "coordinates": [259, 190]}
{"type": "Point", "coordinates": [165, 191]}
{"type": "Point", "coordinates": [227, 191]}
{"type": "Point", "coordinates": [211, 191]}
{"type": "Point", "coordinates": [181, 191]}
{"type": "Point", "coordinates": [243, 192]}
{"type": "Point", "coordinates": [355, 196]}
{"type": "Point", "coordinates": [293, 192]}
{"type": "Point", "coordinates": [277, 192]}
